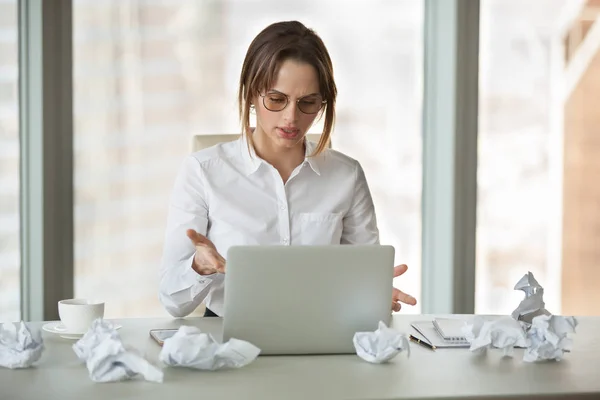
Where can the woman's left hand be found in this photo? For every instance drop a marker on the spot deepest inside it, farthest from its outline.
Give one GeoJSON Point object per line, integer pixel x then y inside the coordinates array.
{"type": "Point", "coordinates": [398, 296]}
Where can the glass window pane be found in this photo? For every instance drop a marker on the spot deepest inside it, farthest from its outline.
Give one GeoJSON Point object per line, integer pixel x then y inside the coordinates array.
{"type": "Point", "coordinates": [10, 256]}
{"type": "Point", "coordinates": [538, 152]}
{"type": "Point", "coordinates": [150, 74]}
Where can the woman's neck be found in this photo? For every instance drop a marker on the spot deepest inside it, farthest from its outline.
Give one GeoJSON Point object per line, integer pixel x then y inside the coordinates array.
{"type": "Point", "coordinates": [283, 159]}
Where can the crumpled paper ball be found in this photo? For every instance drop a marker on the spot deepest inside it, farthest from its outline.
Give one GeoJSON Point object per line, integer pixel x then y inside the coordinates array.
{"type": "Point", "coordinates": [533, 303]}
{"type": "Point", "coordinates": [381, 345]}
{"type": "Point", "coordinates": [19, 348]}
{"type": "Point", "coordinates": [190, 347]}
{"type": "Point", "coordinates": [548, 337]}
{"type": "Point", "coordinates": [108, 360]}
{"type": "Point", "coordinates": [504, 333]}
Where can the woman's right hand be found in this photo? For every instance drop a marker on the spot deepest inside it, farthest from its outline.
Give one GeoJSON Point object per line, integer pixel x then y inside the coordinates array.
{"type": "Point", "coordinates": [207, 260]}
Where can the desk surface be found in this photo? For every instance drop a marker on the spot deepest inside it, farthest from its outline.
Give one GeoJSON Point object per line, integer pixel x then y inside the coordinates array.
{"type": "Point", "coordinates": [443, 374]}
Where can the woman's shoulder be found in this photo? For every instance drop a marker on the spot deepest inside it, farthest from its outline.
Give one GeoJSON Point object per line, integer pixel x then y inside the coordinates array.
{"type": "Point", "coordinates": [332, 158]}
{"type": "Point", "coordinates": [219, 151]}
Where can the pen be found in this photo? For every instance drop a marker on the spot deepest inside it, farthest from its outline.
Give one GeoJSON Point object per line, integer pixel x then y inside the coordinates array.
{"type": "Point", "coordinates": [421, 342]}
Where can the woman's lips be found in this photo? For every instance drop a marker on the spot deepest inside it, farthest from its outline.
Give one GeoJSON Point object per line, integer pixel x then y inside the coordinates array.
{"type": "Point", "coordinates": [288, 133]}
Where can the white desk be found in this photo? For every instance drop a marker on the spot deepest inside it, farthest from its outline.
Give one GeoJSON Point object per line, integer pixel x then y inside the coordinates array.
{"type": "Point", "coordinates": [443, 374]}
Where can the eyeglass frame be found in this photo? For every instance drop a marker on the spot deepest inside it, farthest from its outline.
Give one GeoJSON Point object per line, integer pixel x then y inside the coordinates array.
{"type": "Point", "coordinates": [287, 102]}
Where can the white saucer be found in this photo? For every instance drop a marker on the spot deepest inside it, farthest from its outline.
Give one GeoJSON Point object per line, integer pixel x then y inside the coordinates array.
{"type": "Point", "coordinates": [58, 328]}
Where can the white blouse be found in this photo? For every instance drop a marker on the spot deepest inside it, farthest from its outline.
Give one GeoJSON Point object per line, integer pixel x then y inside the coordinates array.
{"type": "Point", "coordinates": [233, 197]}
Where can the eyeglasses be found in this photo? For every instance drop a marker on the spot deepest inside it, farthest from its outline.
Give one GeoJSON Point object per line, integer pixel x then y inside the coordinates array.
{"type": "Point", "coordinates": [310, 104]}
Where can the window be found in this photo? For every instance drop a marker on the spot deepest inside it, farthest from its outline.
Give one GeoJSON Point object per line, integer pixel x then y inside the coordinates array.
{"type": "Point", "coordinates": [10, 259]}
{"type": "Point", "coordinates": [150, 74]}
{"type": "Point", "coordinates": [538, 151]}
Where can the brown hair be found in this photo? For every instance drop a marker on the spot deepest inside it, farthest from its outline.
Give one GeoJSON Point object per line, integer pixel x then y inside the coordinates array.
{"type": "Point", "coordinates": [277, 43]}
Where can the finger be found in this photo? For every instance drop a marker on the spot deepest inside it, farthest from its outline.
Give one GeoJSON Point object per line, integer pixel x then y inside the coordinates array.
{"type": "Point", "coordinates": [399, 270]}
{"type": "Point", "coordinates": [216, 261]}
{"type": "Point", "coordinates": [399, 295]}
{"type": "Point", "coordinates": [219, 261]}
{"type": "Point", "coordinates": [221, 267]}
{"type": "Point", "coordinates": [196, 238]}
{"type": "Point", "coordinates": [396, 306]}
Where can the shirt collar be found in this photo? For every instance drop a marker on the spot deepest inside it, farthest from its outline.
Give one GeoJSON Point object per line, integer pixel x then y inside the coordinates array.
{"type": "Point", "coordinates": [312, 161]}
{"type": "Point", "coordinates": [252, 161]}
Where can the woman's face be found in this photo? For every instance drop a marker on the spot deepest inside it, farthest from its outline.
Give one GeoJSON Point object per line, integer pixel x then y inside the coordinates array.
{"type": "Point", "coordinates": [285, 129]}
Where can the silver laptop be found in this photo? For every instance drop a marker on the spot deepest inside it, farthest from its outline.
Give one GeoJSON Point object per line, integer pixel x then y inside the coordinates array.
{"type": "Point", "coordinates": [306, 299]}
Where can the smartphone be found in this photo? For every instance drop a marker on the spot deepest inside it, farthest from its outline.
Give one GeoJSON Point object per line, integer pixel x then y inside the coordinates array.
{"type": "Point", "coordinates": [160, 335]}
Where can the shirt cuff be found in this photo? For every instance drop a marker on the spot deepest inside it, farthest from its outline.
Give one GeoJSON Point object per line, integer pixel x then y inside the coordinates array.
{"type": "Point", "coordinates": [193, 277]}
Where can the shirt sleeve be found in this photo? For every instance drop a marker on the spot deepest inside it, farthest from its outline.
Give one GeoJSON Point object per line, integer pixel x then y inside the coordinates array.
{"type": "Point", "coordinates": [360, 223]}
{"type": "Point", "coordinates": [181, 289]}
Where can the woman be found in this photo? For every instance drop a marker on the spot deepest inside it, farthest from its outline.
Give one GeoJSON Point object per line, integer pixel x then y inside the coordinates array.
{"type": "Point", "coordinates": [272, 186]}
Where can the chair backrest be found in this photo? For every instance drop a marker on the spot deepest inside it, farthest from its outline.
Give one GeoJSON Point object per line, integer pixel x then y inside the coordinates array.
{"type": "Point", "coordinates": [200, 142]}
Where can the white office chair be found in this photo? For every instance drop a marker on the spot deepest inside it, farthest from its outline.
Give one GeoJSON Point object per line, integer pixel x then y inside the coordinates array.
{"type": "Point", "coordinates": [200, 142]}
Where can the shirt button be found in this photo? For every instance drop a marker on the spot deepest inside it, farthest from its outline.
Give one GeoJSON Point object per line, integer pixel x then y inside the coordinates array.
{"type": "Point", "coordinates": [282, 207]}
{"type": "Point", "coordinates": [285, 240]}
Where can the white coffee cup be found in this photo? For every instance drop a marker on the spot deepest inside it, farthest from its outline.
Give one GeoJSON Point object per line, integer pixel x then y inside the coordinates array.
{"type": "Point", "coordinates": [77, 315]}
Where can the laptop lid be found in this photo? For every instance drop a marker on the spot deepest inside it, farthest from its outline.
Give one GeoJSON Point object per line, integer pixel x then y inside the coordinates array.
{"type": "Point", "coordinates": [306, 299]}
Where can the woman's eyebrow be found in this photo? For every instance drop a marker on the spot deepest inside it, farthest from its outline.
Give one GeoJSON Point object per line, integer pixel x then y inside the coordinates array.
{"type": "Point", "coordinates": [306, 95]}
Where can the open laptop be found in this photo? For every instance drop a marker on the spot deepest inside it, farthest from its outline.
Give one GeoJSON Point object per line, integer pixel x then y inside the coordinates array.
{"type": "Point", "coordinates": [306, 299]}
